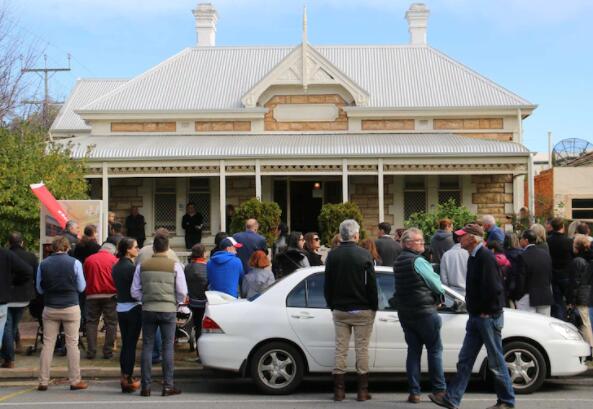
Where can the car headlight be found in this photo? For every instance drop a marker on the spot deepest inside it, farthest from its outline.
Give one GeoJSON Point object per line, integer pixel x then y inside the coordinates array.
{"type": "Point", "coordinates": [567, 331]}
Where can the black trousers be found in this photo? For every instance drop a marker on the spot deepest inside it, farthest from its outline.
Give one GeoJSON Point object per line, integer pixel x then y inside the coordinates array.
{"type": "Point", "coordinates": [197, 316]}
{"type": "Point", "coordinates": [130, 324]}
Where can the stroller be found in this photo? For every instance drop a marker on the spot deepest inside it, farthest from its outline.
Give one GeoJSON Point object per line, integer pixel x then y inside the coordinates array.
{"type": "Point", "coordinates": [184, 329]}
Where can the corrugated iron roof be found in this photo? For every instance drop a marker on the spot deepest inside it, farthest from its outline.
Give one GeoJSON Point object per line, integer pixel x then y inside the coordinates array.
{"type": "Point", "coordinates": [300, 145]}
{"type": "Point", "coordinates": [85, 90]}
{"type": "Point", "coordinates": [214, 78]}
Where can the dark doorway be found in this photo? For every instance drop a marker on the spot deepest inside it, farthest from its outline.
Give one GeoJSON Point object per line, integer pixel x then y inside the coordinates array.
{"type": "Point", "coordinates": [306, 199]}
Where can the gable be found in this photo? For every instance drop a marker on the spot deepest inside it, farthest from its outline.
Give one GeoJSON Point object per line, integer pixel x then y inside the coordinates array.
{"type": "Point", "coordinates": [305, 67]}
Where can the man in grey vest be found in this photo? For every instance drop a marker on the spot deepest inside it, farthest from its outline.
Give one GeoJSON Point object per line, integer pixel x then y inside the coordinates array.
{"type": "Point", "coordinates": [418, 292]}
{"type": "Point", "coordinates": [159, 283]}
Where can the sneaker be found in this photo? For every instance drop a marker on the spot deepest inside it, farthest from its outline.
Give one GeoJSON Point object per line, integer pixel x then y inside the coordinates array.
{"type": "Point", "coordinates": [440, 400]}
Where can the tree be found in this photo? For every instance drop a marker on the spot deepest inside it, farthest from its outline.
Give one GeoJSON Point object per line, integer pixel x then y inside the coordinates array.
{"type": "Point", "coordinates": [332, 215]}
{"type": "Point", "coordinates": [15, 55]}
{"type": "Point", "coordinates": [26, 158]}
{"type": "Point", "coordinates": [428, 221]}
{"type": "Point", "coordinates": [267, 215]}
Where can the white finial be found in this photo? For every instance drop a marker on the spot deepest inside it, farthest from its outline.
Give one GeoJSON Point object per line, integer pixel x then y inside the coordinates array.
{"type": "Point", "coordinates": [305, 23]}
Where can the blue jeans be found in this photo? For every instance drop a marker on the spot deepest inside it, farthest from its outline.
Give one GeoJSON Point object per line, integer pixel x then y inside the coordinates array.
{"type": "Point", "coordinates": [558, 309]}
{"type": "Point", "coordinates": [482, 332]}
{"type": "Point", "coordinates": [12, 323]}
{"type": "Point", "coordinates": [158, 346]}
{"type": "Point", "coordinates": [3, 316]}
{"type": "Point", "coordinates": [150, 322]}
{"type": "Point", "coordinates": [419, 332]}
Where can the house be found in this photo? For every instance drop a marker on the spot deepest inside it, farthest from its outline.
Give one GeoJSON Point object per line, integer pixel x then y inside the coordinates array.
{"type": "Point", "coordinates": [395, 128]}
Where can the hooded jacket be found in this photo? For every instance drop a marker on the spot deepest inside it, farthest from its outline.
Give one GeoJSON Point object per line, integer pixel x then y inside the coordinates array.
{"type": "Point", "coordinates": [225, 271]}
{"type": "Point", "coordinates": [440, 243]}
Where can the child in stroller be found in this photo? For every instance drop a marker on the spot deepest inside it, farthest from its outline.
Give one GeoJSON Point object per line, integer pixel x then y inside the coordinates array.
{"type": "Point", "coordinates": [184, 327]}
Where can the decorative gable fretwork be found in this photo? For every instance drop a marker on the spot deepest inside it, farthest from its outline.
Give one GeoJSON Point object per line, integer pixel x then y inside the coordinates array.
{"type": "Point", "coordinates": [305, 67]}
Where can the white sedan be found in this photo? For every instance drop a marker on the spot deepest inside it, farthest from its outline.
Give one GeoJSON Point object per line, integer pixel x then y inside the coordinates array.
{"type": "Point", "coordinates": [287, 332]}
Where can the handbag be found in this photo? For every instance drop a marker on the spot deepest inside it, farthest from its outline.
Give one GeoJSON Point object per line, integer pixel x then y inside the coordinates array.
{"type": "Point", "coordinates": [573, 317]}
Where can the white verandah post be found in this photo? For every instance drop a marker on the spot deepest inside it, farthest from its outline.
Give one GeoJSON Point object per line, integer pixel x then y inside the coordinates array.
{"type": "Point", "coordinates": [381, 191]}
{"type": "Point", "coordinates": [222, 197]}
{"type": "Point", "coordinates": [258, 193]}
{"type": "Point", "coordinates": [530, 189]}
{"type": "Point", "coordinates": [344, 180]}
{"type": "Point", "coordinates": [105, 201]}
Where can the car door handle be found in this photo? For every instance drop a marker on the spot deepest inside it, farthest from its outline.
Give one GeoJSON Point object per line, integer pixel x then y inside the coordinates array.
{"type": "Point", "coordinates": [303, 316]}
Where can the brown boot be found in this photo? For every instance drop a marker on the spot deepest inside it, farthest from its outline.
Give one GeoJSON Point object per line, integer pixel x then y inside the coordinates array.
{"type": "Point", "coordinates": [363, 388]}
{"type": "Point", "coordinates": [128, 385]}
{"type": "Point", "coordinates": [339, 388]}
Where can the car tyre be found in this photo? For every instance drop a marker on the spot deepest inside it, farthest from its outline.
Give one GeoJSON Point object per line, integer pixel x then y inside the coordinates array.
{"type": "Point", "coordinates": [277, 368]}
{"type": "Point", "coordinates": [527, 367]}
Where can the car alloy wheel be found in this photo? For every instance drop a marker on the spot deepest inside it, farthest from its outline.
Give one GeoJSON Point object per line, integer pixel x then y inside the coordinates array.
{"type": "Point", "coordinates": [277, 368]}
{"type": "Point", "coordinates": [527, 366]}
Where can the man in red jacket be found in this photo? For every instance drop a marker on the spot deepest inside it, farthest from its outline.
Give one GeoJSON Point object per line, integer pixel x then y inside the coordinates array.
{"type": "Point", "coordinates": [100, 299]}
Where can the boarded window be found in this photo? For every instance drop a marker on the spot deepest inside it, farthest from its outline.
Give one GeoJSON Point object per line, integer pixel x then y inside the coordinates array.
{"type": "Point", "coordinates": [165, 199]}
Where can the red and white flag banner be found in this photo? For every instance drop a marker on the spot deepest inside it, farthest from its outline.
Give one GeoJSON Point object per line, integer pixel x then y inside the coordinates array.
{"type": "Point", "coordinates": [50, 202]}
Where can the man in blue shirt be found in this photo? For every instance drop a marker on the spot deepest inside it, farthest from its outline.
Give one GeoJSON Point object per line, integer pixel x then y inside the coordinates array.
{"type": "Point", "coordinates": [251, 241]}
{"type": "Point", "coordinates": [493, 232]}
{"type": "Point", "coordinates": [224, 269]}
{"type": "Point", "coordinates": [418, 292]}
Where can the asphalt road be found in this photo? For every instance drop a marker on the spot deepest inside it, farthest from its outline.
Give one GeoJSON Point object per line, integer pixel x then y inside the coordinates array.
{"type": "Point", "coordinates": [220, 392]}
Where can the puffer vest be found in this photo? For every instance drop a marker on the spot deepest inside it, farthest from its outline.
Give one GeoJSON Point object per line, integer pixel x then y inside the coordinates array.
{"type": "Point", "coordinates": [157, 275]}
{"type": "Point", "coordinates": [58, 281]}
{"type": "Point", "coordinates": [413, 298]}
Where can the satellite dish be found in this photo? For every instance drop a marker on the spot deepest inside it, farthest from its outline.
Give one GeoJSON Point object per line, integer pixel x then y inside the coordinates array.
{"type": "Point", "coordinates": [569, 150]}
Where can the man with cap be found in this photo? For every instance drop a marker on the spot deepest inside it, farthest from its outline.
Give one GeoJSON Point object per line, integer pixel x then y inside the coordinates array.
{"type": "Point", "coordinates": [225, 270]}
{"type": "Point", "coordinates": [485, 301]}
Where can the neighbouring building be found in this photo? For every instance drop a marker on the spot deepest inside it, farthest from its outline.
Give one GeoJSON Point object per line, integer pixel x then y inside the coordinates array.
{"type": "Point", "coordinates": [395, 128]}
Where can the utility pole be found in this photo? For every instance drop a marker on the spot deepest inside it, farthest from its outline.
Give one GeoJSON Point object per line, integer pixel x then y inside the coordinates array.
{"type": "Point", "coordinates": [46, 73]}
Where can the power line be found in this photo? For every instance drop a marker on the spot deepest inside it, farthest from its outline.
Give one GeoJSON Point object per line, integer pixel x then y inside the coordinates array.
{"type": "Point", "coordinates": [46, 73]}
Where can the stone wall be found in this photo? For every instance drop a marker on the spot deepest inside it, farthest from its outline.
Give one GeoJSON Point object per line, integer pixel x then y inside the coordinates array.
{"type": "Point", "coordinates": [143, 126]}
{"type": "Point", "coordinates": [468, 123]}
{"type": "Point", "coordinates": [364, 192]}
{"type": "Point", "coordinates": [340, 124]}
{"type": "Point", "coordinates": [387, 124]}
{"type": "Point", "coordinates": [493, 193]}
{"type": "Point", "coordinates": [239, 189]}
{"type": "Point", "coordinates": [124, 193]}
{"type": "Point", "coordinates": [223, 126]}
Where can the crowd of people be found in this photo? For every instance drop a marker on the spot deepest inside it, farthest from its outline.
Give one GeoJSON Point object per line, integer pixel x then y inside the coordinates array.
{"type": "Point", "coordinates": [543, 269]}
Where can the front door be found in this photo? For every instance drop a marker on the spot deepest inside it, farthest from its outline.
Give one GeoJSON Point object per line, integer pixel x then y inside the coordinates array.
{"type": "Point", "coordinates": [306, 199]}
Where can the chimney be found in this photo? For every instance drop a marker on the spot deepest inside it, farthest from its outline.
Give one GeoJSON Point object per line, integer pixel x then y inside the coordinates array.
{"type": "Point", "coordinates": [206, 18]}
{"type": "Point", "coordinates": [417, 16]}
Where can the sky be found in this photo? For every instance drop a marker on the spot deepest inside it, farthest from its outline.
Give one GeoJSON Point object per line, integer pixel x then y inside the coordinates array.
{"type": "Point", "coordinates": [541, 50]}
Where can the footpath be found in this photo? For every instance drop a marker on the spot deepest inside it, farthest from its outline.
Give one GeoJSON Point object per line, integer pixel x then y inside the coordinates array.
{"type": "Point", "coordinates": [27, 366]}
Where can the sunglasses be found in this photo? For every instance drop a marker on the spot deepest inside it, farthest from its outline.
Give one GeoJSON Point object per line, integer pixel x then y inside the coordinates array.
{"type": "Point", "coordinates": [315, 238]}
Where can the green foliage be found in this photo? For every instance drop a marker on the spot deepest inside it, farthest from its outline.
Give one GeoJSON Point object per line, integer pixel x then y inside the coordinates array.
{"type": "Point", "coordinates": [428, 222]}
{"type": "Point", "coordinates": [266, 213]}
{"type": "Point", "coordinates": [332, 215]}
{"type": "Point", "coordinates": [26, 158]}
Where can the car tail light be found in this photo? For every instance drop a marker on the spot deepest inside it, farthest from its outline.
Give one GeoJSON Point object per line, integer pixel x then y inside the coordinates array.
{"type": "Point", "coordinates": [210, 326]}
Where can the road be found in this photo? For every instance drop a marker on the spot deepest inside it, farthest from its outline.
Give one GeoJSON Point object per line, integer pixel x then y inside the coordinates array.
{"type": "Point", "coordinates": [227, 393]}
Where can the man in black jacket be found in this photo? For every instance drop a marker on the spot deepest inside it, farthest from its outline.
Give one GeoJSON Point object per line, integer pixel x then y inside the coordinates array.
{"type": "Point", "coordinates": [13, 271]}
{"type": "Point", "coordinates": [561, 252]}
{"type": "Point", "coordinates": [387, 248]}
{"type": "Point", "coordinates": [20, 296]}
{"type": "Point", "coordinates": [485, 300]}
{"type": "Point", "coordinates": [351, 293]}
{"type": "Point", "coordinates": [536, 276]}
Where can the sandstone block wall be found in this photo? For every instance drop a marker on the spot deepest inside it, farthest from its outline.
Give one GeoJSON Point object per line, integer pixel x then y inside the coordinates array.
{"type": "Point", "coordinates": [239, 189]}
{"type": "Point", "coordinates": [493, 193]}
{"type": "Point", "coordinates": [340, 124]}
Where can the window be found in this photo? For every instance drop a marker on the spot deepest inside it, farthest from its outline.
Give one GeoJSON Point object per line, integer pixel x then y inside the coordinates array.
{"type": "Point", "coordinates": [199, 193]}
{"type": "Point", "coordinates": [385, 290]}
{"type": "Point", "coordinates": [414, 195]}
{"type": "Point", "coordinates": [308, 294]}
{"type": "Point", "coordinates": [165, 199]}
{"type": "Point", "coordinates": [582, 208]}
{"type": "Point", "coordinates": [449, 189]}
